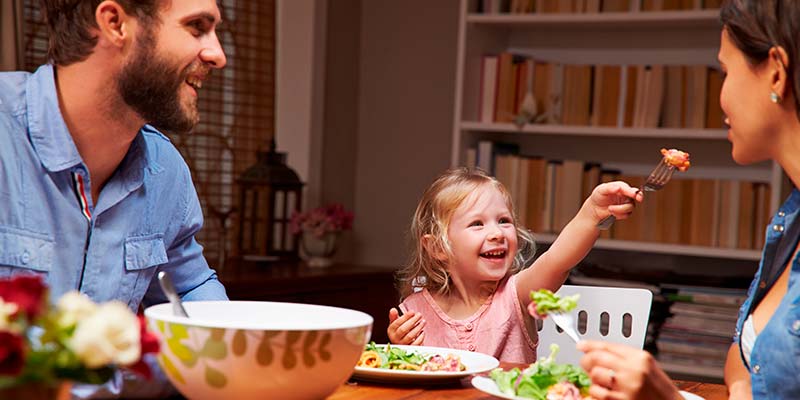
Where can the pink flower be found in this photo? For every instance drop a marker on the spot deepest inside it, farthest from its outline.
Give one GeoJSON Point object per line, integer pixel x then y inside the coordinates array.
{"type": "Point", "coordinates": [27, 292]}
{"type": "Point", "coordinates": [12, 353]}
{"type": "Point", "coordinates": [331, 218]}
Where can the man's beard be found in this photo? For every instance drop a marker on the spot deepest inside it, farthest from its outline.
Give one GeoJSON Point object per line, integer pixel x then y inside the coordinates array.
{"type": "Point", "coordinates": [150, 86]}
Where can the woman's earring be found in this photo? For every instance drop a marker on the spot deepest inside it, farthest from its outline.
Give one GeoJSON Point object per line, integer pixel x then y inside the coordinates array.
{"type": "Point", "coordinates": [774, 97]}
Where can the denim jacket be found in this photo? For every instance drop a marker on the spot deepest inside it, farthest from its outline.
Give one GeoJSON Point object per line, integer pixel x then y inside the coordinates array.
{"type": "Point", "coordinates": [144, 221]}
{"type": "Point", "coordinates": [775, 357]}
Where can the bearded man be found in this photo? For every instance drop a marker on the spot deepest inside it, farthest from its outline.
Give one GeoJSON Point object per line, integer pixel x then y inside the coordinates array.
{"type": "Point", "coordinates": [95, 198]}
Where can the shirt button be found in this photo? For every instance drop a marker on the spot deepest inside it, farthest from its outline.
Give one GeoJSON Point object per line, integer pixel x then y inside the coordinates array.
{"type": "Point", "coordinates": [471, 347]}
{"type": "Point", "coordinates": [781, 214]}
{"type": "Point", "coordinates": [468, 326]}
{"type": "Point", "coordinates": [26, 257]}
{"type": "Point", "coordinates": [762, 284]}
{"type": "Point", "coordinates": [756, 368]}
{"type": "Point", "coordinates": [796, 325]}
{"type": "Point", "coordinates": [777, 228]}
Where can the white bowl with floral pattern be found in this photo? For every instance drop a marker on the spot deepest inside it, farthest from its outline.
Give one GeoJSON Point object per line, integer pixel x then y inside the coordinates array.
{"type": "Point", "coordinates": [258, 350]}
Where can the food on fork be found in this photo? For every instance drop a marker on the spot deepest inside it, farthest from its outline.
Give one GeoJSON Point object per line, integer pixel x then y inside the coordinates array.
{"type": "Point", "coordinates": [390, 357]}
{"type": "Point", "coordinates": [678, 159]}
{"type": "Point", "coordinates": [544, 379]}
{"type": "Point", "coordinates": [544, 302]}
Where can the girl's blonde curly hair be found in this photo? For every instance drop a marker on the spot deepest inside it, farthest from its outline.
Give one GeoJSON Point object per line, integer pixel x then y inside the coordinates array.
{"type": "Point", "coordinates": [432, 217]}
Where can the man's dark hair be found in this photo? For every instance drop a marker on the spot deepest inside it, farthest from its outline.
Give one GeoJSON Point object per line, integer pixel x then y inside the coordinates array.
{"type": "Point", "coordinates": [70, 24]}
{"type": "Point", "coordinates": [755, 26]}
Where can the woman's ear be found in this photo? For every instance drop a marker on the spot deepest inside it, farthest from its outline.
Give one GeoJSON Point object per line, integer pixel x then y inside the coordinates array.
{"type": "Point", "coordinates": [777, 64]}
{"type": "Point", "coordinates": [113, 24]}
{"type": "Point", "coordinates": [429, 244]}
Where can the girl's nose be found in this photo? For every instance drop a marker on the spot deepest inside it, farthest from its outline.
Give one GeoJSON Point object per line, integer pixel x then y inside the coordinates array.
{"type": "Point", "coordinates": [495, 233]}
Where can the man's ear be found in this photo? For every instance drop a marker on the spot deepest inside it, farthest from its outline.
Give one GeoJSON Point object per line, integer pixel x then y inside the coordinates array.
{"type": "Point", "coordinates": [113, 23]}
{"type": "Point", "coordinates": [429, 244]}
{"type": "Point", "coordinates": [778, 63]}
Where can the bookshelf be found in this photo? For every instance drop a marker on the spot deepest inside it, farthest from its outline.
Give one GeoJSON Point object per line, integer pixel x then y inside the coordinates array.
{"type": "Point", "coordinates": [635, 37]}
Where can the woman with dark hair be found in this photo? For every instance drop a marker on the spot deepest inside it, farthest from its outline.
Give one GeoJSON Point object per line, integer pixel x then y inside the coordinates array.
{"type": "Point", "coordinates": [758, 53]}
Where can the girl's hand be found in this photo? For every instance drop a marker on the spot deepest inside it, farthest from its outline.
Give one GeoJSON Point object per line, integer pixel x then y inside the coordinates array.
{"type": "Point", "coordinates": [408, 329]}
{"type": "Point", "coordinates": [613, 198]}
{"type": "Point", "coordinates": [621, 372]}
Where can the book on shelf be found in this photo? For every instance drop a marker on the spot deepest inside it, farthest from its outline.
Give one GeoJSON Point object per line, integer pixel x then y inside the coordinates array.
{"type": "Point", "coordinates": [606, 95]}
{"type": "Point", "coordinates": [711, 311]}
{"type": "Point", "coordinates": [487, 91]}
{"type": "Point", "coordinates": [692, 323]}
{"type": "Point", "coordinates": [506, 88]}
{"type": "Point", "coordinates": [672, 104]}
{"type": "Point", "coordinates": [567, 202]}
{"type": "Point", "coordinates": [696, 82]}
{"type": "Point", "coordinates": [705, 295]}
{"type": "Point", "coordinates": [746, 215]}
{"type": "Point", "coordinates": [615, 5]}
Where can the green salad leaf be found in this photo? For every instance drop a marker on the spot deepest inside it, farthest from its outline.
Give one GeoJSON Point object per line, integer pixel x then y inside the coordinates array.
{"type": "Point", "coordinates": [533, 382]}
{"type": "Point", "coordinates": [393, 356]}
{"type": "Point", "coordinates": [547, 302]}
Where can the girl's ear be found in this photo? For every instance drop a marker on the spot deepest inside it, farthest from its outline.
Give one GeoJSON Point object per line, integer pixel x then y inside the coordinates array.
{"type": "Point", "coordinates": [778, 63]}
{"type": "Point", "coordinates": [429, 244]}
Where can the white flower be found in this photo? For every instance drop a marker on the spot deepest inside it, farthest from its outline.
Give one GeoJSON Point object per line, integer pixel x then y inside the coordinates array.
{"type": "Point", "coordinates": [6, 311]}
{"type": "Point", "coordinates": [110, 335]}
{"type": "Point", "coordinates": [73, 307]}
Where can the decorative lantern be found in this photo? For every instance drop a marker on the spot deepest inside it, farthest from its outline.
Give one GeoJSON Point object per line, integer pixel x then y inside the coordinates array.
{"type": "Point", "coordinates": [270, 192]}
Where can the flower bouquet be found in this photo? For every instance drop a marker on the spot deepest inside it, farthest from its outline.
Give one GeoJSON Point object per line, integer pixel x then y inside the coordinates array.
{"type": "Point", "coordinates": [331, 218]}
{"type": "Point", "coordinates": [75, 340]}
{"type": "Point", "coordinates": [319, 228]}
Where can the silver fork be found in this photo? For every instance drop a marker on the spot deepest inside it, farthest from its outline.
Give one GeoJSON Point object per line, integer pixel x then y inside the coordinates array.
{"type": "Point", "coordinates": [566, 321]}
{"type": "Point", "coordinates": [656, 180]}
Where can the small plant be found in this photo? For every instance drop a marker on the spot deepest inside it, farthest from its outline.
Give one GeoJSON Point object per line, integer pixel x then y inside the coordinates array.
{"type": "Point", "coordinates": [331, 218]}
{"type": "Point", "coordinates": [75, 340]}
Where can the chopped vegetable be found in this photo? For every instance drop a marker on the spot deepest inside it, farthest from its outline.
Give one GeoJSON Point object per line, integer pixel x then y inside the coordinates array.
{"type": "Point", "coordinates": [678, 159]}
{"type": "Point", "coordinates": [543, 380]}
{"type": "Point", "coordinates": [389, 357]}
{"type": "Point", "coordinates": [544, 302]}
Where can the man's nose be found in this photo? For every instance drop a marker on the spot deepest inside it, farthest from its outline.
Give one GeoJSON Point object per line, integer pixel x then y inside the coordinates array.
{"type": "Point", "coordinates": [212, 53]}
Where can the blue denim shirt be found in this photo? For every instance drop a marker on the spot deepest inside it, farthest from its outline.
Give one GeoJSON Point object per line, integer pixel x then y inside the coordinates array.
{"type": "Point", "coordinates": [144, 221]}
{"type": "Point", "coordinates": [775, 358]}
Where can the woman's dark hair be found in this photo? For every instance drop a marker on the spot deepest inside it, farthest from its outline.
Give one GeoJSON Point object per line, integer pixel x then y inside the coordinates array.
{"type": "Point", "coordinates": [70, 24]}
{"type": "Point", "coordinates": [755, 26]}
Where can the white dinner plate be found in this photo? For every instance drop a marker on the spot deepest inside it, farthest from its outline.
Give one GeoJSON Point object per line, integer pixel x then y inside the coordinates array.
{"type": "Point", "coordinates": [487, 385]}
{"type": "Point", "coordinates": [475, 363]}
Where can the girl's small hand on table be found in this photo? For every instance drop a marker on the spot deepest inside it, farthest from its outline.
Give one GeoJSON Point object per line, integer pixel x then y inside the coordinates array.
{"type": "Point", "coordinates": [407, 329]}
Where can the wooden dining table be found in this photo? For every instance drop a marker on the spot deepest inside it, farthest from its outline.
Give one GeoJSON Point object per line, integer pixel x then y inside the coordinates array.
{"type": "Point", "coordinates": [462, 389]}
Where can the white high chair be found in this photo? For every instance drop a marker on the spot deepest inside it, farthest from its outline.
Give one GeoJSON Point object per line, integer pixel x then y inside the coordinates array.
{"type": "Point", "coordinates": [611, 314]}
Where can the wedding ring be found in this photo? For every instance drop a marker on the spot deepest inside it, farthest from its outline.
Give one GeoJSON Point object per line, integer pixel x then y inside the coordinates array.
{"type": "Point", "coordinates": [611, 375]}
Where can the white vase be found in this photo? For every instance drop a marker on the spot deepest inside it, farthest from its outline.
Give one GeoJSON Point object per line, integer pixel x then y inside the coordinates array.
{"type": "Point", "coordinates": [318, 250]}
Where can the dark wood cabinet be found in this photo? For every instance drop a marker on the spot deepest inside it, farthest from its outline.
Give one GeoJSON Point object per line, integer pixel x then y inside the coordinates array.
{"type": "Point", "coordinates": [363, 288]}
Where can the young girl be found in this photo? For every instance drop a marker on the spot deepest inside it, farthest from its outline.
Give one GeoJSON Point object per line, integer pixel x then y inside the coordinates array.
{"type": "Point", "coordinates": [468, 261]}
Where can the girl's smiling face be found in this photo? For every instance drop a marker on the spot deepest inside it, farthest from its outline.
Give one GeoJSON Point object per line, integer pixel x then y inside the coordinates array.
{"type": "Point", "coordinates": [483, 237]}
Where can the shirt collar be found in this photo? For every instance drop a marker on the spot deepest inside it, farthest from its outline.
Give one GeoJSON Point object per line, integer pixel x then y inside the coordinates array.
{"type": "Point", "coordinates": [53, 142]}
{"type": "Point", "coordinates": [49, 134]}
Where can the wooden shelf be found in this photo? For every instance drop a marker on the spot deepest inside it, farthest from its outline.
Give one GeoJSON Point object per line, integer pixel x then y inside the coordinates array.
{"type": "Point", "coordinates": [661, 248]}
{"type": "Point", "coordinates": [575, 130]}
{"type": "Point", "coordinates": [594, 21]}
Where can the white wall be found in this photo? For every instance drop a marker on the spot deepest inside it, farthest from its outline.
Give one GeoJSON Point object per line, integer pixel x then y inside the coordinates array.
{"type": "Point", "coordinates": [299, 88]}
{"type": "Point", "coordinates": [406, 86]}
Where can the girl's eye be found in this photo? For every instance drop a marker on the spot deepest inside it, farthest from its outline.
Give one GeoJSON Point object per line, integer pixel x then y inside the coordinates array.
{"type": "Point", "coordinates": [476, 223]}
{"type": "Point", "coordinates": [505, 220]}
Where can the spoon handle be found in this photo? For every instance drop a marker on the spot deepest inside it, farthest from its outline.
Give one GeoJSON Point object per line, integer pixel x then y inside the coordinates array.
{"type": "Point", "coordinates": [166, 285]}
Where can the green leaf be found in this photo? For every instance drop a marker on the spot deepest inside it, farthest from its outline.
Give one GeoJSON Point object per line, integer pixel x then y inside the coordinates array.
{"type": "Point", "coordinates": [214, 349]}
{"type": "Point", "coordinates": [170, 369]}
{"type": "Point", "coordinates": [217, 333]}
{"type": "Point", "coordinates": [186, 355]}
{"type": "Point", "coordinates": [178, 331]}
{"type": "Point", "coordinates": [264, 353]}
{"type": "Point", "coordinates": [215, 378]}
{"type": "Point", "coordinates": [324, 354]}
{"type": "Point", "coordinates": [239, 345]}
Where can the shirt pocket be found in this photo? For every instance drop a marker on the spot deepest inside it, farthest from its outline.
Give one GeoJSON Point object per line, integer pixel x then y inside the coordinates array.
{"type": "Point", "coordinates": [142, 255]}
{"type": "Point", "coordinates": [23, 252]}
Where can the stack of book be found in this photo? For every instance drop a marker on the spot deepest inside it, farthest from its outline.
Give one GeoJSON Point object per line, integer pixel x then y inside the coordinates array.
{"type": "Point", "coordinates": [698, 335]}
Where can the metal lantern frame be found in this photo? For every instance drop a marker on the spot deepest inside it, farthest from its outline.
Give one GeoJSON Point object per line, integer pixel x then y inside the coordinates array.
{"type": "Point", "coordinates": [269, 193]}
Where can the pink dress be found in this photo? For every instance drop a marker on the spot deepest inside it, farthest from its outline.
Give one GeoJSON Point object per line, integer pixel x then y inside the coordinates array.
{"type": "Point", "coordinates": [498, 328]}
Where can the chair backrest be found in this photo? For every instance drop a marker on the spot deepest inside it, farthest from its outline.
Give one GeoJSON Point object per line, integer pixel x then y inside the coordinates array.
{"type": "Point", "coordinates": [611, 314]}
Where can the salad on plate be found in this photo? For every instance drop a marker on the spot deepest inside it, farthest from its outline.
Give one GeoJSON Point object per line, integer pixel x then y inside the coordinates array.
{"type": "Point", "coordinates": [544, 302]}
{"type": "Point", "coordinates": [392, 357]}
